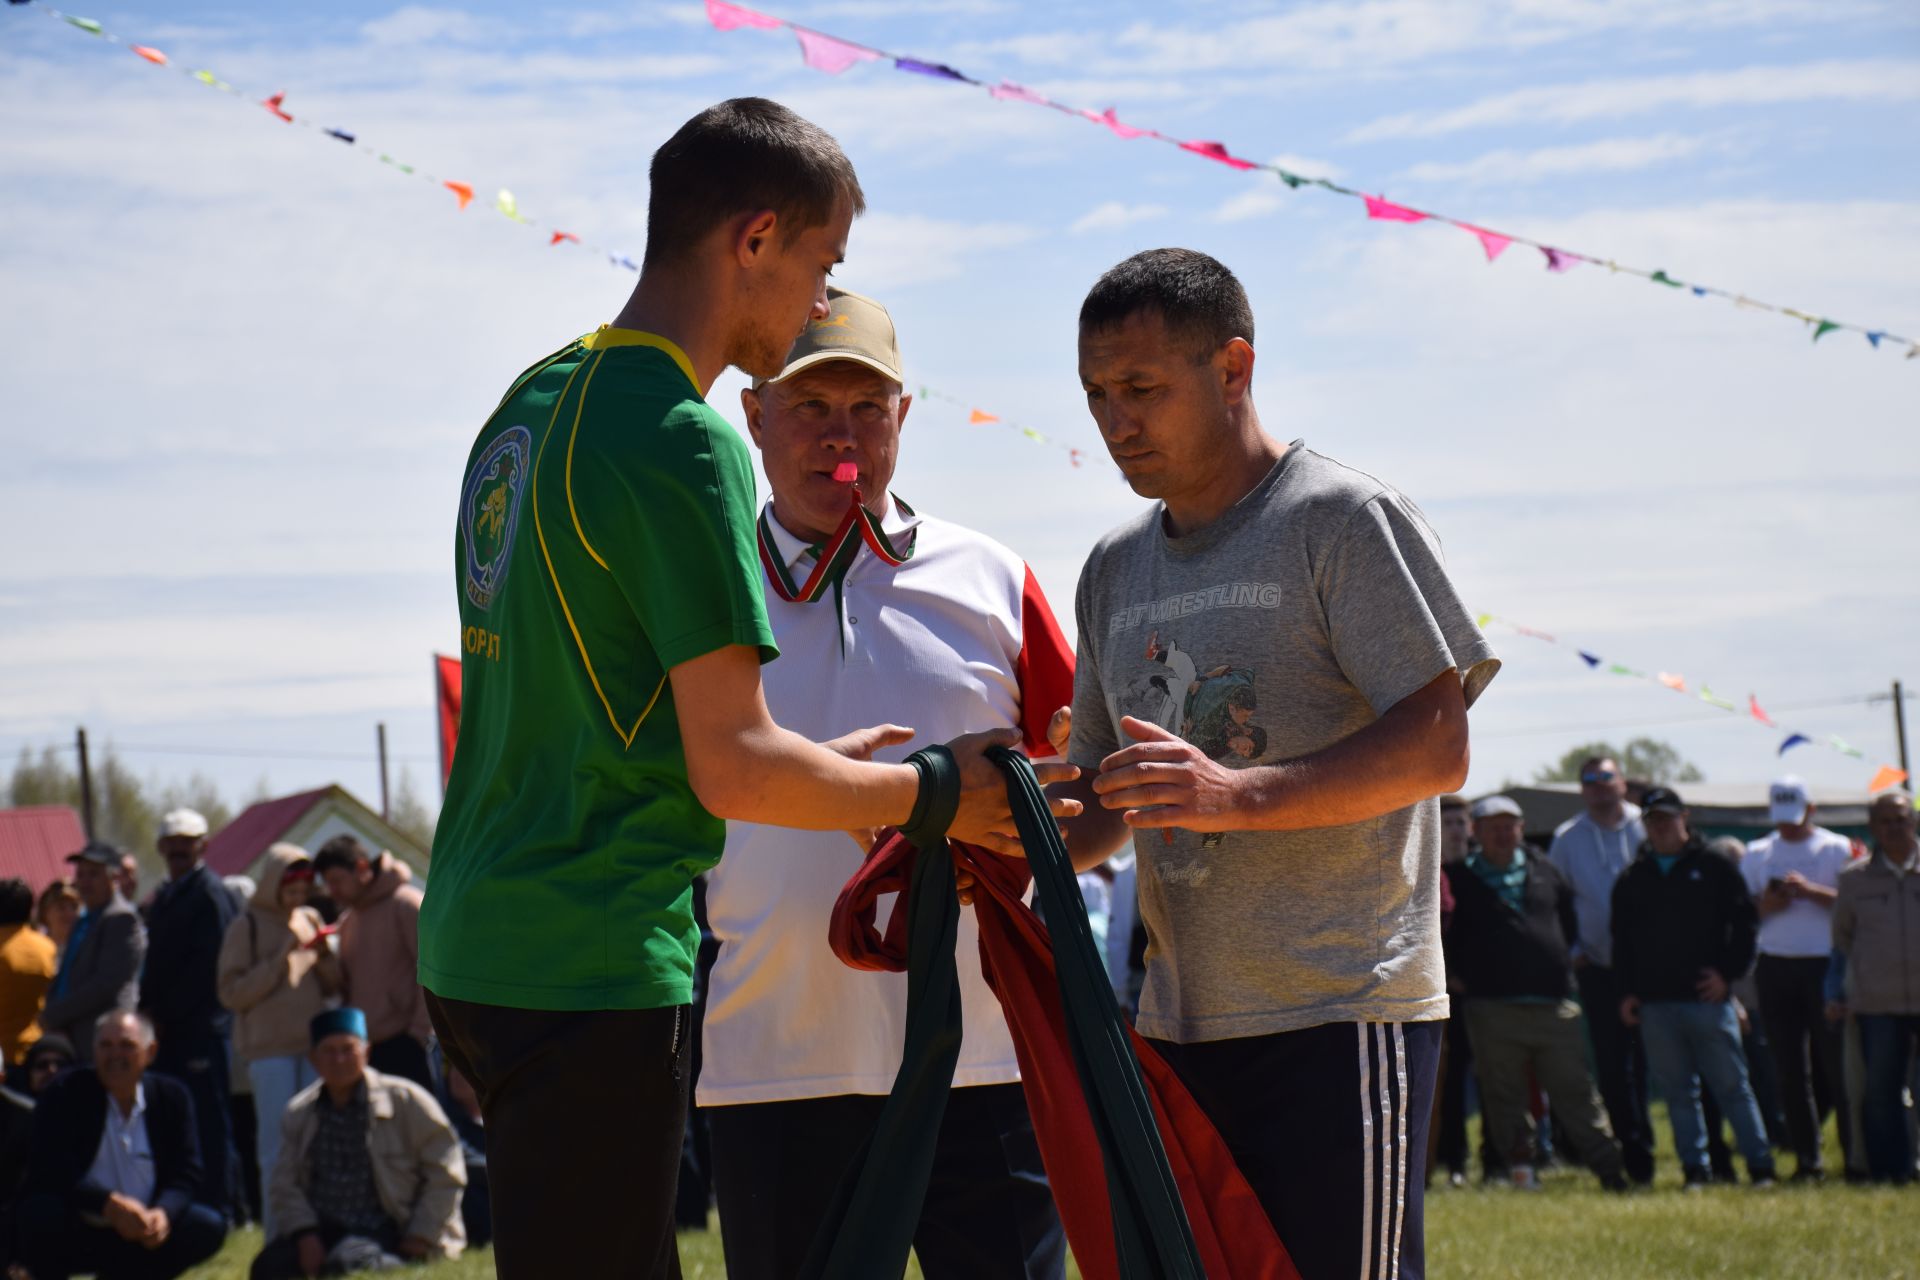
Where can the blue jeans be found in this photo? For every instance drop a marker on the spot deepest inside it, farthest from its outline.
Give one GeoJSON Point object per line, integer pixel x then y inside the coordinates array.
{"type": "Point", "coordinates": [1886, 1042]}
{"type": "Point", "coordinates": [1691, 1041]}
{"type": "Point", "coordinates": [275, 1081]}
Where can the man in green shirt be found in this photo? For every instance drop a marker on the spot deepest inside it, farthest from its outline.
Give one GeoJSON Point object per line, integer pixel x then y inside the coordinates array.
{"type": "Point", "coordinates": [613, 630]}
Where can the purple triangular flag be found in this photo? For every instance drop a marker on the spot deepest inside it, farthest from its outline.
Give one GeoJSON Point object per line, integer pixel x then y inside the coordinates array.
{"type": "Point", "coordinates": [1558, 260]}
{"type": "Point", "coordinates": [938, 70]}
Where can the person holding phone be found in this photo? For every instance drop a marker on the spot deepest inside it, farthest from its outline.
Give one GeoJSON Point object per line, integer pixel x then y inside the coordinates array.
{"type": "Point", "coordinates": [276, 973]}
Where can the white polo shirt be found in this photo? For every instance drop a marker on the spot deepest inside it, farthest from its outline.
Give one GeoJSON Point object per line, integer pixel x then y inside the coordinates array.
{"type": "Point", "coordinates": [1805, 929]}
{"type": "Point", "coordinates": [957, 639]}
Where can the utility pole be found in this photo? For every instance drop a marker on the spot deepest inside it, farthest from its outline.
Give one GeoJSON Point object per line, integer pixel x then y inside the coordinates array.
{"type": "Point", "coordinates": [86, 782]}
{"type": "Point", "coordinates": [386, 810]}
{"type": "Point", "coordinates": [1900, 729]}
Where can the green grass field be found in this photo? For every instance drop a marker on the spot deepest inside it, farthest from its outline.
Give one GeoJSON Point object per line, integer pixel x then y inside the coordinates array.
{"type": "Point", "coordinates": [1569, 1230]}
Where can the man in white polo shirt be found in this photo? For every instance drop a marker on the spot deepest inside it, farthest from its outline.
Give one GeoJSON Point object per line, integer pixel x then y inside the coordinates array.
{"type": "Point", "coordinates": [1793, 874]}
{"type": "Point", "coordinates": [917, 622]}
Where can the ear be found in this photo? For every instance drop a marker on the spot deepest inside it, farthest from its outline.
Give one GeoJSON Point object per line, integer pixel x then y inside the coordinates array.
{"type": "Point", "coordinates": [1235, 364]}
{"type": "Point", "coordinates": [753, 235]}
{"type": "Point", "coordinates": [906, 403]}
{"type": "Point", "coordinates": [751, 406]}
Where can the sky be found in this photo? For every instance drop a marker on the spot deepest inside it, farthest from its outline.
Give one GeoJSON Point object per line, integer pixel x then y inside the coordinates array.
{"type": "Point", "coordinates": [244, 363]}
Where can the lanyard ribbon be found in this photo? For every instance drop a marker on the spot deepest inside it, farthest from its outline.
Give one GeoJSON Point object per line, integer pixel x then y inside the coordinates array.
{"type": "Point", "coordinates": [834, 556]}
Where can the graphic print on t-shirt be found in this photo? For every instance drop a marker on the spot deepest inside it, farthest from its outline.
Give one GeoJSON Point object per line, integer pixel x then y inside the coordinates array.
{"type": "Point", "coordinates": [1213, 709]}
{"type": "Point", "coordinates": [490, 511]}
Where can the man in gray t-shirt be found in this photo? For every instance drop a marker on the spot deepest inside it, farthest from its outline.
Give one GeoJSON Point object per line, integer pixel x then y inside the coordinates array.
{"type": "Point", "coordinates": [1272, 685]}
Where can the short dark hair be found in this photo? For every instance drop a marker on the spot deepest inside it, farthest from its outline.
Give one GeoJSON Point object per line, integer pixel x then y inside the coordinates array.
{"type": "Point", "coordinates": [16, 901]}
{"type": "Point", "coordinates": [1450, 803]}
{"type": "Point", "coordinates": [1198, 298]}
{"type": "Point", "coordinates": [739, 156]}
{"type": "Point", "coordinates": [1594, 762]}
{"type": "Point", "coordinates": [344, 851]}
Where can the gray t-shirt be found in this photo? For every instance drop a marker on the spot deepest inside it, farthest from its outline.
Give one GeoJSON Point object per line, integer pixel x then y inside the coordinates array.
{"type": "Point", "coordinates": [1300, 616]}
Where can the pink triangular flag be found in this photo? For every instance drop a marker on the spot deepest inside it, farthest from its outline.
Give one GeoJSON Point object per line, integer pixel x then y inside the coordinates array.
{"type": "Point", "coordinates": [273, 104]}
{"type": "Point", "coordinates": [1112, 121]}
{"type": "Point", "coordinates": [1753, 709]}
{"type": "Point", "coordinates": [1887, 777]}
{"type": "Point", "coordinates": [154, 56]}
{"type": "Point", "coordinates": [1010, 91]}
{"type": "Point", "coordinates": [1217, 151]}
{"type": "Point", "coordinates": [1387, 211]}
{"type": "Point", "coordinates": [824, 53]}
{"type": "Point", "coordinates": [1492, 241]}
{"type": "Point", "coordinates": [727, 17]}
{"type": "Point", "coordinates": [1558, 260]}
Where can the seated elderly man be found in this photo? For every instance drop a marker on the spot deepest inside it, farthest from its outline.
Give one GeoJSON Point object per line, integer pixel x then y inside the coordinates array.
{"type": "Point", "coordinates": [115, 1169]}
{"type": "Point", "coordinates": [369, 1171]}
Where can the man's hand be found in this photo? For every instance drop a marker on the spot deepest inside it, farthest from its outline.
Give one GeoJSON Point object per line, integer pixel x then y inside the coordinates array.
{"type": "Point", "coordinates": [313, 1253]}
{"type": "Point", "coordinates": [1710, 987]}
{"type": "Point", "coordinates": [158, 1229]}
{"type": "Point", "coordinates": [860, 745]}
{"type": "Point", "coordinates": [1774, 899]}
{"type": "Point", "coordinates": [1836, 1011]}
{"type": "Point", "coordinates": [127, 1216]}
{"type": "Point", "coordinates": [415, 1247]}
{"type": "Point", "coordinates": [1166, 781]}
{"type": "Point", "coordinates": [1060, 731]}
{"type": "Point", "coordinates": [1630, 1010]}
{"type": "Point", "coordinates": [985, 816]}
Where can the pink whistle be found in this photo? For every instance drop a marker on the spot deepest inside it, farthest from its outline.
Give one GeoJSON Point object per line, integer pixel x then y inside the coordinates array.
{"type": "Point", "coordinates": [846, 473]}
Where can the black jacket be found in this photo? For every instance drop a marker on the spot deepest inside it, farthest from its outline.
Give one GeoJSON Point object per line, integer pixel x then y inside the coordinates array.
{"type": "Point", "coordinates": [1495, 951]}
{"type": "Point", "coordinates": [68, 1120]}
{"type": "Point", "coordinates": [1669, 926]}
{"type": "Point", "coordinates": [185, 927]}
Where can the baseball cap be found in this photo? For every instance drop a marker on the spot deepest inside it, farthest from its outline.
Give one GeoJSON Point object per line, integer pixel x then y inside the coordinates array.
{"type": "Point", "coordinates": [1662, 800]}
{"type": "Point", "coordinates": [98, 853]}
{"type": "Point", "coordinates": [1492, 806]}
{"type": "Point", "coordinates": [856, 328]}
{"type": "Point", "coordinates": [182, 822]}
{"type": "Point", "coordinates": [1787, 801]}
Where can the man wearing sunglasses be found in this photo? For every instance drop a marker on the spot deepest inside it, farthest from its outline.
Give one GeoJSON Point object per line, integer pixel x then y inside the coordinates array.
{"type": "Point", "coordinates": [1591, 851]}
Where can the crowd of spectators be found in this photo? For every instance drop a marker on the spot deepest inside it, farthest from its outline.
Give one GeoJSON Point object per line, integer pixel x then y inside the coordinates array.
{"type": "Point", "coordinates": [147, 1042]}
{"type": "Point", "coordinates": [1766, 987]}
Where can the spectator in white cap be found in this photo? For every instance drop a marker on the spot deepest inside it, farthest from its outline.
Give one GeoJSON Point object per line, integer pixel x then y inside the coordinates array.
{"type": "Point", "coordinates": [180, 991]}
{"type": "Point", "coordinates": [1513, 926]}
{"type": "Point", "coordinates": [1793, 874]}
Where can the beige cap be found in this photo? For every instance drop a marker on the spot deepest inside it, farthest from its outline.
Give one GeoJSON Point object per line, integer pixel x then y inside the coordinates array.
{"type": "Point", "coordinates": [182, 822]}
{"type": "Point", "coordinates": [856, 328]}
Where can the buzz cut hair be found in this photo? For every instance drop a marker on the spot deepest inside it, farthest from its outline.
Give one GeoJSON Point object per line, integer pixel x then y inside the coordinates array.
{"type": "Point", "coordinates": [142, 1024]}
{"type": "Point", "coordinates": [741, 156]}
{"type": "Point", "coordinates": [1201, 302]}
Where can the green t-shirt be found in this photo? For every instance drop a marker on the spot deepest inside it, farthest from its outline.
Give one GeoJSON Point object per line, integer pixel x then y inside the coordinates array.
{"type": "Point", "coordinates": [606, 534]}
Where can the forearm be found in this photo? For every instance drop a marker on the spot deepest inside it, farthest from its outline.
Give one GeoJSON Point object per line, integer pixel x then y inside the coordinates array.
{"type": "Point", "coordinates": [780, 778]}
{"type": "Point", "coordinates": [1410, 754]}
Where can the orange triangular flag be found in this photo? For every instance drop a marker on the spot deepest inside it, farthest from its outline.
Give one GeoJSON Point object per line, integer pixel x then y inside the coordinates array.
{"type": "Point", "coordinates": [979, 416]}
{"type": "Point", "coordinates": [154, 56]}
{"type": "Point", "coordinates": [462, 191]}
{"type": "Point", "coordinates": [1887, 777]}
{"type": "Point", "coordinates": [559, 236]}
{"type": "Point", "coordinates": [1673, 682]}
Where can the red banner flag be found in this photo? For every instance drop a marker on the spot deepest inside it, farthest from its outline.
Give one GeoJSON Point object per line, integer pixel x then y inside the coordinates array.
{"type": "Point", "coordinates": [446, 684]}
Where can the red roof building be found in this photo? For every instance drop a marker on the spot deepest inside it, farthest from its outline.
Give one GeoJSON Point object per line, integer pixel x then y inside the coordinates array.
{"type": "Point", "coordinates": [308, 819]}
{"type": "Point", "coordinates": [35, 842]}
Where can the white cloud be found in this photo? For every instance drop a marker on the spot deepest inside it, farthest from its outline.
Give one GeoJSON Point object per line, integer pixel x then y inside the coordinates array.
{"type": "Point", "coordinates": [1115, 214]}
{"type": "Point", "coordinates": [1257, 203]}
{"type": "Point", "coordinates": [1609, 155]}
{"type": "Point", "coordinates": [422, 24]}
{"type": "Point", "coordinates": [894, 250]}
{"type": "Point", "coordinates": [1887, 80]}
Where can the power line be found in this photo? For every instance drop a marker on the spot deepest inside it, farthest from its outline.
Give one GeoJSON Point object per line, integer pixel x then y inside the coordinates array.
{"type": "Point", "coordinates": [245, 753]}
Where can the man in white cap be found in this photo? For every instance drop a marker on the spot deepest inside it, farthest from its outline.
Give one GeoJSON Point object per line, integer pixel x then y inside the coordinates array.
{"type": "Point", "coordinates": [884, 613]}
{"type": "Point", "coordinates": [1793, 874]}
{"type": "Point", "coordinates": [1508, 948]}
{"type": "Point", "coordinates": [180, 991]}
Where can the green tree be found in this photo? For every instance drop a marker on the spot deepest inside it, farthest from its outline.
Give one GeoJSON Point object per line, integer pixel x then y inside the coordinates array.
{"type": "Point", "coordinates": [126, 812]}
{"type": "Point", "coordinates": [1647, 759]}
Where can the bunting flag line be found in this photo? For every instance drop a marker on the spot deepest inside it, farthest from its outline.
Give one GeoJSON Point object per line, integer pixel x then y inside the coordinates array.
{"type": "Point", "coordinates": [834, 55]}
{"type": "Point", "coordinates": [977, 417]}
{"type": "Point", "coordinates": [1678, 684]}
{"type": "Point", "coordinates": [276, 102]}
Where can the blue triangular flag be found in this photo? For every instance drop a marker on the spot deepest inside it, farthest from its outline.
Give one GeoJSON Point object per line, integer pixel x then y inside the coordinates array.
{"type": "Point", "coordinates": [1698, 292]}
{"type": "Point", "coordinates": [1588, 658]}
{"type": "Point", "coordinates": [1874, 338]}
{"type": "Point", "coordinates": [1793, 740]}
